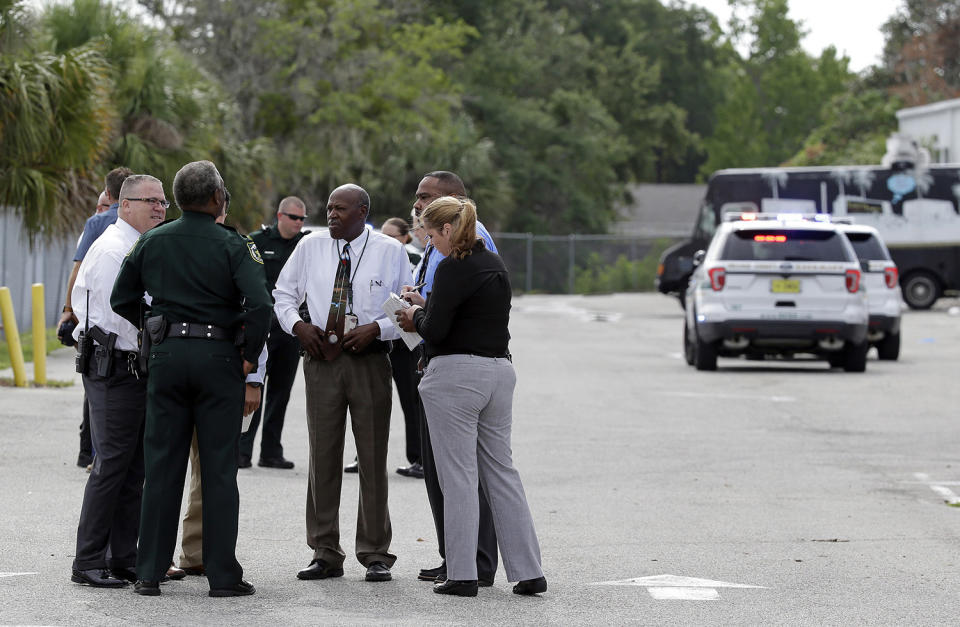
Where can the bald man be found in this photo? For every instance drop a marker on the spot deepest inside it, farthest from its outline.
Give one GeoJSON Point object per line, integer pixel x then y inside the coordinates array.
{"type": "Point", "coordinates": [345, 274]}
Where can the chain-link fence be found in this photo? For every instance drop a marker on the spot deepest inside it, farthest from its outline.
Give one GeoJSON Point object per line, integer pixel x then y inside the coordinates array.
{"type": "Point", "coordinates": [557, 264]}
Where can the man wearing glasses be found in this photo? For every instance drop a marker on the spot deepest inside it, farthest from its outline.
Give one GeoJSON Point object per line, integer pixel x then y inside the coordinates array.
{"type": "Point", "coordinates": [117, 395]}
{"type": "Point", "coordinates": [275, 244]}
{"type": "Point", "coordinates": [94, 227]}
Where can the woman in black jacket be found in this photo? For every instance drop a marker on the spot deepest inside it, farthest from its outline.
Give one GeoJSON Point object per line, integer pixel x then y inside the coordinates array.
{"type": "Point", "coordinates": [467, 394]}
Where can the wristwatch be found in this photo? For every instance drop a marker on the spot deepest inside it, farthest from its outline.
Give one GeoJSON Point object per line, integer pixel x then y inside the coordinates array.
{"type": "Point", "coordinates": [254, 384]}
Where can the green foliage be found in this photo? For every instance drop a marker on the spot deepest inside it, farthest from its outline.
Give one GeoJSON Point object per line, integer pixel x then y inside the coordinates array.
{"type": "Point", "coordinates": [624, 275]}
{"type": "Point", "coordinates": [54, 125]}
{"type": "Point", "coordinates": [171, 111]}
{"type": "Point", "coordinates": [776, 94]}
{"type": "Point", "coordinates": [854, 130]}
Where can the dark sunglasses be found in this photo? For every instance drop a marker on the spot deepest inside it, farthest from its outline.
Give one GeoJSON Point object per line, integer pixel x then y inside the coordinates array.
{"type": "Point", "coordinates": [293, 217]}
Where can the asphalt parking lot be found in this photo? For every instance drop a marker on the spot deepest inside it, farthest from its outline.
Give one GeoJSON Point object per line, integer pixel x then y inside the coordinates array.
{"type": "Point", "coordinates": [775, 492]}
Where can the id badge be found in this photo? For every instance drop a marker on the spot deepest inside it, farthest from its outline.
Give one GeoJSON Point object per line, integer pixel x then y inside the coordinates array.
{"type": "Point", "coordinates": [350, 322]}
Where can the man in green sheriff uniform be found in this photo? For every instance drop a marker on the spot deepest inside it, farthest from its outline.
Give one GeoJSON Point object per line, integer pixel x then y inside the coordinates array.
{"type": "Point", "coordinates": [205, 283]}
{"type": "Point", "coordinates": [275, 244]}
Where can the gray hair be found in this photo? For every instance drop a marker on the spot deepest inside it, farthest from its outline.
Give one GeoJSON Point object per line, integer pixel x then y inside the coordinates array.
{"type": "Point", "coordinates": [134, 181]}
{"type": "Point", "coordinates": [195, 184]}
{"type": "Point", "coordinates": [364, 200]}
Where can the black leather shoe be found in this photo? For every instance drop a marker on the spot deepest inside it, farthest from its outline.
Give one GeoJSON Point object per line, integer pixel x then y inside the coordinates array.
{"type": "Point", "coordinates": [196, 571]}
{"type": "Point", "coordinates": [531, 586]}
{"type": "Point", "coordinates": [84, 460]}
{"type": "Point", "coordinates": [243, 461]}
{"type": "Point", "coordinates": [352, 467]}
{"type": "Point", "coordinates": [275, 462]}
{"type": "Point", "coordinates": [378, 571]}
{"type": "Point", "coordinates": [97, 577]}
{"type": "Point", "coordinates": [457, 588]}
{"type": "Point", "coordinates": [414, 470]}
{"type": "Point", "coordinates": [431, 574]}
{"type": "Point", "coordinates": [319, 569]}
{"type": "Point", "coordinates": [147, 588]}
{"type": "Point", "coordinates": [124, 574]}
{"type": "Point", "coordinates": [240, 589]}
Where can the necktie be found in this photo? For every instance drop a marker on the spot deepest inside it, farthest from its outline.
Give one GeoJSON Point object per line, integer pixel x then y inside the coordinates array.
{"type": "Point", "coordinates": [338, 307]}
{"type": "Point", "coordinates": [423, 265]}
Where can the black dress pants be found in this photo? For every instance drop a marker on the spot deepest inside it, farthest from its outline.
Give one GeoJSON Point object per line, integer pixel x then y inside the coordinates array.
{"type": "Point", "coordinates": [86, 445]}
{"type": "Point", "coordinates": [110, 515]}
{"type": "Point", "coordinates": [403, 362]}
{"type": "Point", "coordinates": [283, 355]}
{"type": "Point", "coordinates": [487, 536]}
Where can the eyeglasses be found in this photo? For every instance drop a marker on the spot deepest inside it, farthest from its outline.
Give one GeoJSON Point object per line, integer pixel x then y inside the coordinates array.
{"type": "Point", "coordinates": [293, 217]}
{"type": "Point", "coordinates": [153, 201]}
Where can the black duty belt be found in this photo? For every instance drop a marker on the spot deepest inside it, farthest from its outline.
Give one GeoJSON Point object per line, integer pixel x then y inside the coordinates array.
{"type": "Point", "coordinates": [197, 330]}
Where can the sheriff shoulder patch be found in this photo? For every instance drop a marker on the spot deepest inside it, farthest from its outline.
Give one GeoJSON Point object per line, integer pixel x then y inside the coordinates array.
{"type": "Point", "coordinates": [254, 253]}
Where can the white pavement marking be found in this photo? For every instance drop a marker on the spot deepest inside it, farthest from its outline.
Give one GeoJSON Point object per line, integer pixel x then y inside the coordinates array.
{"type": "Point", "coordinates": [16, 574]}
{"type": "Point", "coordinates": [674, 587]}
{"type": "Point", "coordinates": [684, 594]}
{"type": "Point", "coordinates": [735, 397]}
{"type": "Point", "coordinates": [939, 487]}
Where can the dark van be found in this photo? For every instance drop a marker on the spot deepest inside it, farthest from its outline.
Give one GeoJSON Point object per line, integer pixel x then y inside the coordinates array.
{"type": "Point", "coordinates": [914, 209]}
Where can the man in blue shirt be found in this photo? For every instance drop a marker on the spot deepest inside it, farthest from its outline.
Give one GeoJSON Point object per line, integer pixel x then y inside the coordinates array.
{"type": "Point", "coordinates": [433, 186]}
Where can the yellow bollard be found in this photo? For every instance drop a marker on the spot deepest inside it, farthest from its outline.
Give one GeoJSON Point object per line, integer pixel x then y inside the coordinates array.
{"type": "Point", "coordinates": [13, 338]}
{"type": "Point", "coordinates": [39, 335]}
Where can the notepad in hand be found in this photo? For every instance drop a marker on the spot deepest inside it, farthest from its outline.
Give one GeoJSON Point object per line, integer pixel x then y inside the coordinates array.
{"type": "Point", "coordinates": [390, 307]}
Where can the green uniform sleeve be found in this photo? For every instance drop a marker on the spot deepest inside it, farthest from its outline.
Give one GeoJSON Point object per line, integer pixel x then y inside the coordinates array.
{"type": "Point", "coordinates": [249, 277]}
{"type": "Point", "coordinates": [128, 289]}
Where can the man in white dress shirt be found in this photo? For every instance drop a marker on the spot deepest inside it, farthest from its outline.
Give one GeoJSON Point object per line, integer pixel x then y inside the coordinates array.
{"type": "Point", "coordinates": [110, 515]}
{"type": "Point", "coordinates": [345, 275]}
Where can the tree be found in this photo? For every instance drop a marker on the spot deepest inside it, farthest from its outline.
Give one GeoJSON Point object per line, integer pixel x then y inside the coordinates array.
{"type": "Point", "coordinates": [345, 90]}
{"type": "Point", "coordinates": [55, 119]}
{"type": "Point", "coordinates": [921, 56]}
{"type": "Point", "coordinates": [170, 110]}
{"type": "Point", "coordinates": [776, 92]}
{"type": "Point", "coordinates": [854, 131]}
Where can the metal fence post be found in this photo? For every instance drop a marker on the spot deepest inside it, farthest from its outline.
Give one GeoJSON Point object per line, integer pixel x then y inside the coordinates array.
{"type": "Point", "coordinates": [529, 263]}
{"type": "Point", "coordinates": [571, 268]}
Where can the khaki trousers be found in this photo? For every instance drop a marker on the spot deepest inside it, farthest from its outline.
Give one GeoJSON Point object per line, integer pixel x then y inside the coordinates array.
{"type": "Point", "coordinates": [191, 544]}
{"type": "Point", "coordinates": [361, 384]}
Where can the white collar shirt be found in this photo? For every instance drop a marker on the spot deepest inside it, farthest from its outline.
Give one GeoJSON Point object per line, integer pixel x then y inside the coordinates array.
{"type": "Point", "coordinates": [98, 273]}
{"type": "Point", "coordinates": [379, 265]}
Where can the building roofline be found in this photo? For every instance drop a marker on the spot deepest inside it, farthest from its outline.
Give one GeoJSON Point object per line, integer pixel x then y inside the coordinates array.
{"type": "Point", "coordinates": [934, 107]}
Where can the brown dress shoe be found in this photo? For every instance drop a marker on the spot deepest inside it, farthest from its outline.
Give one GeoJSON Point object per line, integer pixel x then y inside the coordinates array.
{"type": "Point", "coordinates": [175, 573]}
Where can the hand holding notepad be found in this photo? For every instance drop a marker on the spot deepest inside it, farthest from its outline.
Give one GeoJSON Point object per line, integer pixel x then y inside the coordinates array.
{"type": "Point", "coordinates": [390, 307]}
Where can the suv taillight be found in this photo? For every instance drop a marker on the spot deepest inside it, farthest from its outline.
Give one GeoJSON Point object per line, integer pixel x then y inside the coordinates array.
{"type": "Point", "coordinates": [890, 276]}
{"type": "Point", "coordinates": [853, 281]}
{"type": "Point", "coordinates": [718, 278]}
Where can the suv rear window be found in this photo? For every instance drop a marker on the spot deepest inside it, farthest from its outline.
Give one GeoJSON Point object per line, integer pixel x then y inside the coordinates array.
{"type": "Point", "coordinates": [784, 245]}
{"type": "Point", "coordinates": [868, 247]}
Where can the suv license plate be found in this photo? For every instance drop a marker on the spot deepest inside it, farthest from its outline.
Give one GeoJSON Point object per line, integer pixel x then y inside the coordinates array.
{"type": "Point", "coordinates": [785, 286]}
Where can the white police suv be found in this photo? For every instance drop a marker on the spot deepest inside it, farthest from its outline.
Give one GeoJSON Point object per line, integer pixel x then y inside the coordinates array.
{"type": "Point", "coordinates": [880, 278]}
{"type": "Point", "coordinates": [777, 285]}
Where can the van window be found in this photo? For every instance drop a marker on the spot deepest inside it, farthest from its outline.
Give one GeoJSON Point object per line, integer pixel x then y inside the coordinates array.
{"type": "Point", "coordinates": [706, 223]}
{"type": "Point", "coordinates": [868, 247]}
{"type": "Point", "coordinates": [784, 245]}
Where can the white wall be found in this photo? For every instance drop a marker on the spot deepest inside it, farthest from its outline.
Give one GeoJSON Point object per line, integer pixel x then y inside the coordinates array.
{"type": "Point", "coordinates": [20, 267]}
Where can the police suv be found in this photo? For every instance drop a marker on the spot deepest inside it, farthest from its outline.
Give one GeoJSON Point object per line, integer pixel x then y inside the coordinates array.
{"type": "Point", "coordinates": [777, 285]}
{"type": "Point", "coordinates": [880, 278]}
